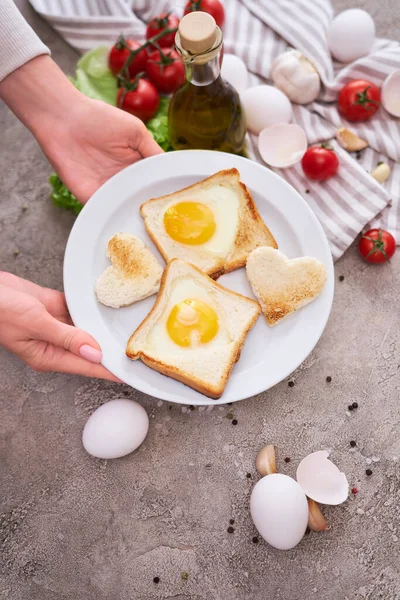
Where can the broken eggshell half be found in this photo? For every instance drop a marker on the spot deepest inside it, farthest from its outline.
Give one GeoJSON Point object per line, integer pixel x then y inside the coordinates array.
{"type": "Point", "coordinates": [390, 93]}
{"type": "Point", "coordinates": [321, 480]}
{"type": "Point", "coordinates": [282, 145]}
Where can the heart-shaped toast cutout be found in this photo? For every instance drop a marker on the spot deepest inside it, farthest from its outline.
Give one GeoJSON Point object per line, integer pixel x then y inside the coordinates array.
{"type": "Point", "coordinates": [135, 272]}
{"type": "Point", "coordinates": [283, 285]}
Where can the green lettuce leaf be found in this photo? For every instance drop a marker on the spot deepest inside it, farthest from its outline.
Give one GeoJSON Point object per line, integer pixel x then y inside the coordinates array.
{"type": "Point", "coordinates": [62, 197]}
{"type": "Point", "coordinates": [158, 126]}
{"type": "Point", "coordinates": [93, 77]}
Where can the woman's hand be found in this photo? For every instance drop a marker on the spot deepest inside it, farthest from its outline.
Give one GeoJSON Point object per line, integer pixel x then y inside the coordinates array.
{"type": "Point", "coordinates": [85, 140]}
{"type": "Point", "coordinates": [96, 142]}
{"type": "Point", "coordinates": [36, 326]}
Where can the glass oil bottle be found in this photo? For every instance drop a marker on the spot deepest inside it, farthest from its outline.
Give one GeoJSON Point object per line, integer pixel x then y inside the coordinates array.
{"type": "Point", "coordinates": [205, 113]}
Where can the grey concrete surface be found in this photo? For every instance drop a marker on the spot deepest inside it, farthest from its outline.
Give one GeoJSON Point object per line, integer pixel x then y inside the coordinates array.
{"type": "Point", "coordinates": [77, 528]}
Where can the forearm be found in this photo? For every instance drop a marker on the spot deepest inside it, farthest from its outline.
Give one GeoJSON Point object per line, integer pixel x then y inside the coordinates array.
{"type": "Point", "coordinates": [40, 95]}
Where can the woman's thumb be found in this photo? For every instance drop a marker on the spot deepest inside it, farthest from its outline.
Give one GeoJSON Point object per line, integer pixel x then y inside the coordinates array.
{"type": "Point", "coordinates": [70, 338]}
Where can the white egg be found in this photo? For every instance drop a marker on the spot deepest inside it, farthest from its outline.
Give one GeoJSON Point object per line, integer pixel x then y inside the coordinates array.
{"type": "Point", "coordinates": [321, 480]}
{"type": "Point", "coordinates": [390, 93]}
{"type": "Point", "coordinates": [159, 341]}
{"type": "Point", "coordinates": [235, 72]}
{"type": "Point", "coordinates": [224, 204]}
{"type": "Point", "coordinates": [351, 35]}
{"type": "Point", "coordinates": [115, 429]}
{"type": "Point", "coordinates": [282, 145]}
{"type": "Point", "coordinates": [265, 105]}
{"type": "Point", "coordinates": [279, 510]}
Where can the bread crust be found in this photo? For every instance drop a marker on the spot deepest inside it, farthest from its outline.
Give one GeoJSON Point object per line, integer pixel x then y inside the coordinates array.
{"type": "Point", "coordinates": [279, 301]}
{"type": "Point", "coordinates": [252, 232]}
{"type": "Point", "coordinates": [212, 391]}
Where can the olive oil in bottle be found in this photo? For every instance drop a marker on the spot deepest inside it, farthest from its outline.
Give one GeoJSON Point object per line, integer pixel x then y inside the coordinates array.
{"type": "Point", "coordinates": [205, 113]}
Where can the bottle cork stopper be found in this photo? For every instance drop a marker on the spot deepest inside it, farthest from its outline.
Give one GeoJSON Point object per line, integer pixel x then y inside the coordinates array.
{"type": "Point", "coordinates": [198, 32]}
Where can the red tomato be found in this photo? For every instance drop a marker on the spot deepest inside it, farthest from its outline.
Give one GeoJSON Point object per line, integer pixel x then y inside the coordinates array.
{"type": "Point", "coordinates": [212, 7]}
{"type": "Point", "coordinates": [156, 26]}
{"type": "Point", "coordinates": [142, 102]}
{"type": "Point", "coordinates": [359, 100]}
{"type": "Point", "coordinates": [166, 72]}
{"type": "Point", "coordinates": [119, 55]}
{"type": "Point", "coordinates": [377, 246]}
{"type": "Point", "coordinates": [320, 163]}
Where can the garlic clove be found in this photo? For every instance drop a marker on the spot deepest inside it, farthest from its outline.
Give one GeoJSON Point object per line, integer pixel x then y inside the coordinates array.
{"type": "Point", "coordinates": [381, 173]}
{"type": "Point", "coordinates": [266, 461]}
{"type": "Point", "coordinates": [349, 140]}
{"type": "Point", "coordinates": [296, 76]}
{"type": "Point", "coordinates": [316, 520]}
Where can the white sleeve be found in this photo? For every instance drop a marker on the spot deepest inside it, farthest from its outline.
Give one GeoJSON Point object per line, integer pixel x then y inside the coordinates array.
{"type": "Point", "coordinates": [18, 42]}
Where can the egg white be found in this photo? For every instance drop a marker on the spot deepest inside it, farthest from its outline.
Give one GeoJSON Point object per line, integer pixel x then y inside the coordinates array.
{"type": "Point", "coordinates": [158, 341]}
{"type": "Point", "coordinates": [224, 204]}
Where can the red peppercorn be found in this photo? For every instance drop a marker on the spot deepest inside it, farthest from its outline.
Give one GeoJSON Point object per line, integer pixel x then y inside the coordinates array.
{"type": "Point", "coordinates": [354, 490]}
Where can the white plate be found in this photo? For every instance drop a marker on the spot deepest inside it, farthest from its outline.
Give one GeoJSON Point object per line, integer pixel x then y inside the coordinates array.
{"type": "Point", "coordinates": [269, 354]}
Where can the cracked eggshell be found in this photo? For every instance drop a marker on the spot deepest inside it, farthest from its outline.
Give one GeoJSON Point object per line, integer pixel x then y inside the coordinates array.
{"type": "Point", "coordinates": [279, 510]}
{"type": "Point", "coordinates": [390, 94]}
{"type": "Point", "coordinates": [282, 145]}
{"type": "Point", "coordinates": [115, 429]}
{"type": "Point", "coordinates": [235, 72]}
{"type": "Point", "coordinates": [265, 106]}
{"type": "Point", "coordinates": [321, 480]}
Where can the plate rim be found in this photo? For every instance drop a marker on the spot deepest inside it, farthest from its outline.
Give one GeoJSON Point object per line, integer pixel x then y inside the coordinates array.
{"type": "Point", "coordinates": [204, 400]}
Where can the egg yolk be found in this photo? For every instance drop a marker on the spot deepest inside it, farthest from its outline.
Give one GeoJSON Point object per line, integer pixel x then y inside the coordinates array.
{"type": "Point", "coordinates": [189, 223]}
{"type": "Point", "coordinates": [192, 322]}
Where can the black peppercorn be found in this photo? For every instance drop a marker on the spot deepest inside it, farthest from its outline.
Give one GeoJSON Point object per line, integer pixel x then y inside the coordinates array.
{"type": "Point", "coordinates": [368, 472]}
{"type": "Point", "coordinates": [231, 521]}
{"type": "Point", "coordinates": [230, 530]}
{"type": "Point", "coordinates": [353, 444]}
{"type": "Point", "coordinates": [329, 379]}
{"type": "Point", "coordinates": [355, 405]}
{"type": "Point", "coordinates": [255, 540]}
{"type": "Point", "coordinates": [248, 475]}
{"type": "Point", "coordinates": [234, 422]}
{"type": "Point", "coordinates": [350, 407]}
{"type": "Point", "coordinates": [287, 460]}
{"type": "Point", "coordinates": [156, 579]}
{"type": "Point", "coordinates": [341, 277]}
{"type": "Point", "coordinates": [291, 383]}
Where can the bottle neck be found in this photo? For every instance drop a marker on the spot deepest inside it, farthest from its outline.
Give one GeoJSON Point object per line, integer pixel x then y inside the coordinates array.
{"type": "Point", "coordinates": [204, 74]}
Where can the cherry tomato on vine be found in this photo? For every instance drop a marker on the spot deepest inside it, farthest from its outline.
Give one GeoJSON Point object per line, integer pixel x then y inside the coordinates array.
{"type": "Point", "coordinates": [377, 246]}
{"type": "Point", "coordinates": [141, 99]}
{"type": "Point", "coordinates": [166, 70]}
{"type": "Point", "coordinates": [119, 55]}
{"type": "Point", "coordinates": [157, 24]}
{"type": "Point", "coordinates": [359, 100]}
{"type": "Point", "coordinates": [320, 163]}
{"type": "Point", "coordinates": [212, 7]}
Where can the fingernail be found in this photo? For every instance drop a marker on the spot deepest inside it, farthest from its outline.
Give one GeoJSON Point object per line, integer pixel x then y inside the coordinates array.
{"type": "Point", "coordinates": [90, 353]}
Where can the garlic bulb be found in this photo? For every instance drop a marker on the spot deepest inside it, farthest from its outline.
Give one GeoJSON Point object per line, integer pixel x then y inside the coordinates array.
{"type": "Point", "coordinates": [296, 76]}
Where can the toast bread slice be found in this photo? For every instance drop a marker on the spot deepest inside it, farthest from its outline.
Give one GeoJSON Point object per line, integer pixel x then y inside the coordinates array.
{"type": "Point", "coordinates": [134, 274]}
{"type": "Point", "coordinates": [249, 230]}
{"type": "Point", "coordinates": [283, 285]}
{"type": "Point", "coordinates": [206, 368]}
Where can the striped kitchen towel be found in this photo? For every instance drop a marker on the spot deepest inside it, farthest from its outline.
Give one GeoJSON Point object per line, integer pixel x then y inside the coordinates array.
{"type": "Point", "coordinates": [253, 31]}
